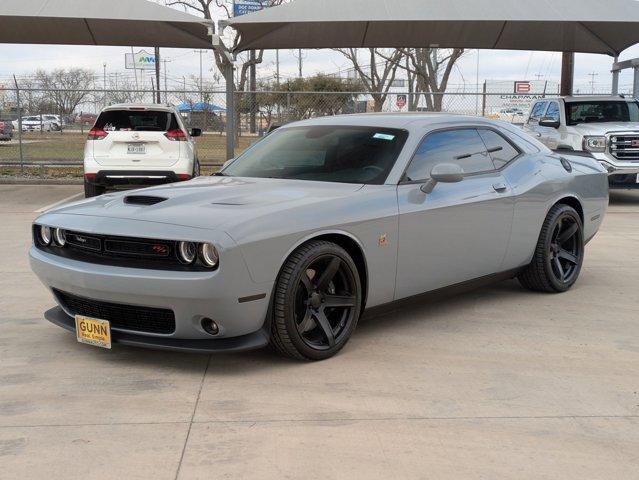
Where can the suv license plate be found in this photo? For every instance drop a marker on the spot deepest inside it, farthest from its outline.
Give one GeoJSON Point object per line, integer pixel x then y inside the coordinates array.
{"type": "Point", "coordinates": [93, 331]}
{"type": "Point", "coordinates": [136, 149]}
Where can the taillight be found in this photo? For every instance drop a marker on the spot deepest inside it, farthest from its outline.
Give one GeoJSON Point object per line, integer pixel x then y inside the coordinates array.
{"type": "Point", "coordinates": [176, 135]}
{"type": "Point", "coordinates": [97, 134]}
{"type": "Point", "coordinates": [1, 125]}
{"type": "Point", "coordinates": [183, 176]}
{"type": "Point", "coordinates": [90, 176]}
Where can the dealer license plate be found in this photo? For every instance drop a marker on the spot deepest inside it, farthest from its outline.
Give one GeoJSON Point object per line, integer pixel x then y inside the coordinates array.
{"type": "Point", "coordinates": [93, 331]}
{"type": "Point", "coordinates": [136, 149]}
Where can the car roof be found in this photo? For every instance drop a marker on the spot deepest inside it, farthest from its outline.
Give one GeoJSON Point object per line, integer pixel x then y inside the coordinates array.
{"type": "Point", "coordinates": [392, 120]}
{"type": "Point", "coordinates": [147, 106]}
{"type": "Point", "coordinates": [590, 98]}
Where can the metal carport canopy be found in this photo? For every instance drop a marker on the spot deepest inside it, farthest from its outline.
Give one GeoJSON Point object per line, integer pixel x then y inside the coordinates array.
{"type": "Point", "coordinates": [587, 26]}
{"type": "Point", "coordinates": [100, 22]}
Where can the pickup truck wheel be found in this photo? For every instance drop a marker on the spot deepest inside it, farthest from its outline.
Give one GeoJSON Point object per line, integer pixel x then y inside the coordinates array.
{"type": "Point", "coordinates": [92, 190]}
{"type": "Point", "coordinates": [559, 254]}
{"type": "Point", "coordinates": [317, 302]}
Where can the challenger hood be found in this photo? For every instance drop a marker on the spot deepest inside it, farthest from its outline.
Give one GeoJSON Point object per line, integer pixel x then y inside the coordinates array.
{"type": "Point", "coordinates": [210, 202]}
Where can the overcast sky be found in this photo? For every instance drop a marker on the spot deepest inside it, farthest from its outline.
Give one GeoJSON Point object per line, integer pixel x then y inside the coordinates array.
{"type": "Point", "coordinates": [494, 65]}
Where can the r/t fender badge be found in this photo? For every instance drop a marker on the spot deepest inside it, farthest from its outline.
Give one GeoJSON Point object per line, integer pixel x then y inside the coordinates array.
{"type": "Point", "coordinates": [383, 241]}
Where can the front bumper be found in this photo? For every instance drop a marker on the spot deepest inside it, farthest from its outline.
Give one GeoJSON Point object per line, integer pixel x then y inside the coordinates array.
{"type": "Point", "coordinates": [228, 295]}
{"type": "Point", "coordinates": [252, 341]}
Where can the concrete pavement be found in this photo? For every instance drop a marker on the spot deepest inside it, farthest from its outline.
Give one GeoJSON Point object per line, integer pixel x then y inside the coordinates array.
{"type": "Point", "coordinates": [495, 383]}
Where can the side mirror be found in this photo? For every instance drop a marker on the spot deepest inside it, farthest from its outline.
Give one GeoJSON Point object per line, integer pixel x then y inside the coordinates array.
{"type": "Point", "coordinates": [443, 173]}
{"type": "Point", "coordinates": [549, 122]}
{"type": "Point", "coordinates": [196, 132]}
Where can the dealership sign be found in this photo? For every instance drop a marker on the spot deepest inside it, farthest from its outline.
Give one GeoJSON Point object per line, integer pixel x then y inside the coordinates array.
{"type": "Point", "coordinates": [242, 7]}
{"type": "Point", "coordinates": [142, 60]}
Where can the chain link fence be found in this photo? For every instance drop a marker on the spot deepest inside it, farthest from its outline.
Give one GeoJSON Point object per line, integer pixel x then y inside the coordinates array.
{"type": "Point", "coordinates": [47, 128]}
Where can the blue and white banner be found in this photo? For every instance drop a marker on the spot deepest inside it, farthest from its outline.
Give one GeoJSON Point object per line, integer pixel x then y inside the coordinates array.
{"type": "Point", "coordinates": [242, 7]}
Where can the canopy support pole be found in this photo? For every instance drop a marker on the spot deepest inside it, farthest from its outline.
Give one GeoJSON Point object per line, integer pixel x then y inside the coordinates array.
{"type": "Point", "coordinates": [230, 110]}
{"type": "Point", "coordinates": [615, 77]}
{"type": "Point", "coordinates": [567, 73]}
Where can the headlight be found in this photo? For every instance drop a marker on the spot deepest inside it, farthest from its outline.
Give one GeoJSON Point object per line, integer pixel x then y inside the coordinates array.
{"type": "Point", "coordinates": [595, 144]}
{"type": "Point", "coordinates": [60, 237]}
{"type": "Point", "coordinates": [45, 235]}
{"type": "Point", "coordinates": [209, 255]}
{"type": "Point", "coordinates": [187, 252]}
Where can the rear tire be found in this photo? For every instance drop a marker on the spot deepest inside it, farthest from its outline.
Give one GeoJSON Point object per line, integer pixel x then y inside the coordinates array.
{"type": "Point", "coordinates": [559, 254]}
{"type": "Point", "coordinates": [317, 302]}
{"type": "Point", "coordinates": [92, 190]}
{"type": "Point", "coordinates": [196, 169]}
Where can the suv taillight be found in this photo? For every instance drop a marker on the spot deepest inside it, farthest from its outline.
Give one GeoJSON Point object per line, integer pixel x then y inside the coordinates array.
{"type": "Point", "coordinates": [97, 134]}
{"type": "Point", "coordinates": [176, 135]}
{"type": "Point", "coordinates": [1, 125]}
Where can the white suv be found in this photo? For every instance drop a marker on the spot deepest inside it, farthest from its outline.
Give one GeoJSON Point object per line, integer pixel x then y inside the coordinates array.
{"type": "Point", "coordinates": [605, 128]}
{"type": "Point", "coordinates": [138, 145]}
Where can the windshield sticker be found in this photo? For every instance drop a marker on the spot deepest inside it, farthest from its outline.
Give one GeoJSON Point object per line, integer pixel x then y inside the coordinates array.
{"type": "Point", "coordinates": [384, 136]}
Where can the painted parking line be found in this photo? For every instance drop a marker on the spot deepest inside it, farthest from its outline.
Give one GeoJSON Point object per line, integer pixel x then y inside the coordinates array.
{"type": "Point", "coordinates": [61, 202]}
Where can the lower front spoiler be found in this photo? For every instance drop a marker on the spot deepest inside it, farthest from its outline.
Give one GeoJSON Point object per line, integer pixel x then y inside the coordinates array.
{"type": "Point", "coordinates": [252, 341]}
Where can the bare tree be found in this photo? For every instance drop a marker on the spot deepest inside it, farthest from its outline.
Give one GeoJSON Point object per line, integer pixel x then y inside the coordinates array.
{"type": "Point", "coordinates": [378, 76]}
{"type": "Point", "coordinates": [429, 71]}
{"type": "Point", "coordinates": [204, 8]}
{"type": "Point", "coordinates": [66, 88]}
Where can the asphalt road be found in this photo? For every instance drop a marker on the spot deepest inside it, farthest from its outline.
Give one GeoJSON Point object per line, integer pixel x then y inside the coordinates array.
{"type": "Point", "coordinates": [496, 383]}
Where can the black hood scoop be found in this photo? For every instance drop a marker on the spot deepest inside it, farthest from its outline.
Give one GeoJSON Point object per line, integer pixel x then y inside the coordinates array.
{"type": "Point", "coordinates": [143, 200]}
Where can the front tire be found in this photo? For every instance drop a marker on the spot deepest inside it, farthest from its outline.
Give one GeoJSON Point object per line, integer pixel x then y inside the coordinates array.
{"type": "Point", "coordinates": [317, 302]}
{"type": "Point", "coordinates": [559, 254]}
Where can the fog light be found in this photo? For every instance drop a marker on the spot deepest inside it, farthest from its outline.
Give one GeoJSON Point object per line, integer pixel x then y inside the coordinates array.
{"type": "Point", "coordinates": [60, 237]}
{"type": "Point", "coordinates": [45, 235]}
{"type": "Point", "coordinates": [210, 326]}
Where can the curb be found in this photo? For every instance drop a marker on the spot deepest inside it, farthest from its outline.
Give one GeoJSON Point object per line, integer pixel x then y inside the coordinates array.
{"type": "Point", "coordinates": [40, 181]}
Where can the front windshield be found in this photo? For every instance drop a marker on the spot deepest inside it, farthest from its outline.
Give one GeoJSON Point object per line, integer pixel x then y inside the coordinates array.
{"type": "Point", "coordinates": [343, 154]}
{"type": "Point", "coordinates": [601, 112]}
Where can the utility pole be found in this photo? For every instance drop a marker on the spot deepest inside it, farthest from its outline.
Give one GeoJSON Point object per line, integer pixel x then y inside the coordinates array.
{"type": "Point", "coordinates": [157, 74]}
{"type": "Point", "coordinates": [539, 76]}
{"type": "Point", "coordinates": [592, 81]}
{"type": "Point", "coordinates": [166, 86]}
{"type": "Point", "coordinates": [201, 75]}
{"type": "Point", "coordinates": [104, 78]}
{"type": "Point", "coordinates": [277, 68]}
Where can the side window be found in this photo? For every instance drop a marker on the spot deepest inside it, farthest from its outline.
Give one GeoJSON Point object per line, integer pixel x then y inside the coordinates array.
{"type": "Point", "coordinates": [464, 147]}
{"type": "Point", "coordinates": [553, 111]}
{"type": "Point", "coordinates": [501, 150]}
{"type": "Point", "coordinates": [537, 112]}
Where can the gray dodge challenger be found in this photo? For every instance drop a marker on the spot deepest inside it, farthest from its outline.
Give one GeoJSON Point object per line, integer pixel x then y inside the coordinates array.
{"type": "Point", "coordinates": [322, 219]}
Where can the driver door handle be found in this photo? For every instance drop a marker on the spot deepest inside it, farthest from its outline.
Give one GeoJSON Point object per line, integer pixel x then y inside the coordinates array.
{"type": "Point", "coordinates": [500, 187]}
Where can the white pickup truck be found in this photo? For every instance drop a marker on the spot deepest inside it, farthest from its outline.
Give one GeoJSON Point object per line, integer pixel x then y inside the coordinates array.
{"type": "Point", "coordinates": [606, 128]}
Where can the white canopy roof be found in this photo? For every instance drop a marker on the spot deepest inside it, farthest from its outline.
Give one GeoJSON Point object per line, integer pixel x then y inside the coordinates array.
{"type": "Point", "coordinates": [100, 22]}
{"type": "Point", "coordinates": [590, 26]}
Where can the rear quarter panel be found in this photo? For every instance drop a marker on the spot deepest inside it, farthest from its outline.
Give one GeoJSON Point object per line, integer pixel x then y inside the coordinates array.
{"type": "Point", "coordinates": [539, 182]}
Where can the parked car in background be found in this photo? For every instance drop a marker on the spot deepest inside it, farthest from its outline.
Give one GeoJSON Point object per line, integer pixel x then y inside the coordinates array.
{"type": "Point", "coordinates": [605, 128]}
{"type": "Point", "coordinates": [40, 123]}
{"type": "Point", "coordinates": [138, 144]}
{"type": "Point", "coordinates": [6, 130]}
{"type": "Point", "coordinates": [317, 222]}
{"type": "Point", "coordinates": [86, 119]}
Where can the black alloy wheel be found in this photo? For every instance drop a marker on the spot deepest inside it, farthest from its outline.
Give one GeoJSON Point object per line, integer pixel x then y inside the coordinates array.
{"type": "Point", "coordinates": [559, 254]}
{"type": "Point", "coordinates": [317, 302]}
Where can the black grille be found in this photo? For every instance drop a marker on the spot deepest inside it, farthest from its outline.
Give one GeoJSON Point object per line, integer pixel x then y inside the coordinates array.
{"type": "Point", "coordinates": [123, 317]}
{"type": "Point", "coordinates": [120, 251]}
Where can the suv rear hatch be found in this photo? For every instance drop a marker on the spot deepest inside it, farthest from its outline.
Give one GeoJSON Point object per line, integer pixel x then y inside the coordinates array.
{"type": "Point", "coordinates": [136, 137]}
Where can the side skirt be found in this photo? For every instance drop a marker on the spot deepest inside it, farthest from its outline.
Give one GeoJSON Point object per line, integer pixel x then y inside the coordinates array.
{"type": "Point", "coordinates": [445, 292]}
